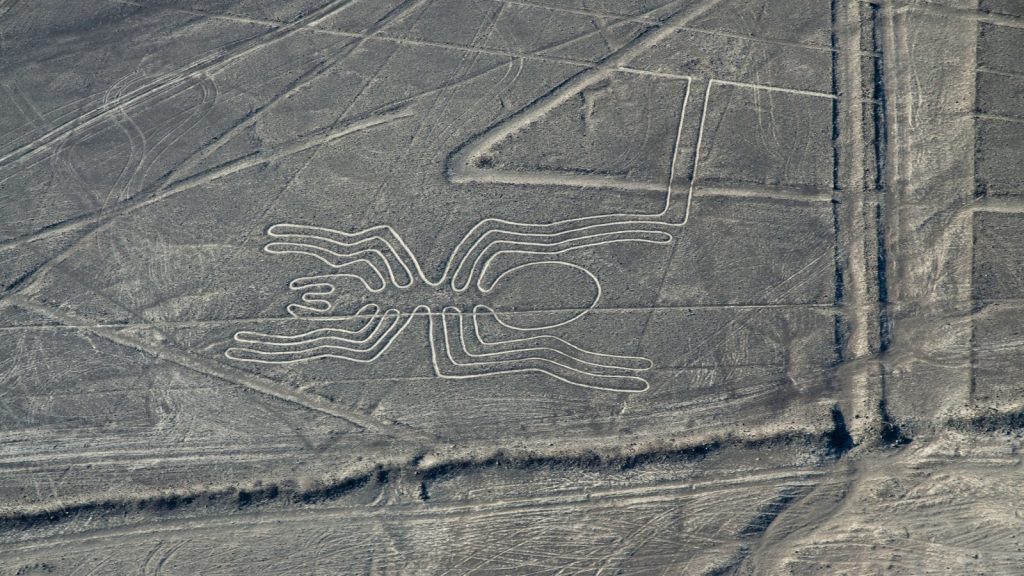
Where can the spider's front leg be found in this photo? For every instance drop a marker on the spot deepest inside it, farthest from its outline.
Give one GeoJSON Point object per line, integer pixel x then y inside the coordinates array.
{"type": "Point", "coordinates": [376, 257]}
{"type": "Point", "coordinates": [370, 335]}
{"type": "Point", "coordinates": [385, 257]}
{"type": "Point", "coordinates": [460, 352]}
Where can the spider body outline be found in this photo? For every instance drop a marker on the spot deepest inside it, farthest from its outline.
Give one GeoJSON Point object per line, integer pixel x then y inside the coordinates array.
{"type": "Point", "coordinates": [380, 260]}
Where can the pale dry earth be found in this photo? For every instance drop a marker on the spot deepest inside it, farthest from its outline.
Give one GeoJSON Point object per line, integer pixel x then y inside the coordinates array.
{"type": "Point", "coordinates": [662, 287]}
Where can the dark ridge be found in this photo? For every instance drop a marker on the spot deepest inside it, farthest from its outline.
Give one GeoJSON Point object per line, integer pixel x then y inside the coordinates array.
{"type": "Point", "coordinates": [838, 334]}
{"type": "Point", "coordinates": [836, 186]}
{"type": "Point", "coordinates": [769, 512]}
{"type": "Point", "coordinates": [686, 454]}
{"type": "Point", "coordinates": [44, 567]}
{"type": "Point", "coordinates": [159, 504]}
{"type": "Point", "coordinates": [884, 322]}
{"type": "Point", "coordinates": [591, 460]}
{"type": "Point", "coordinates": [840, 283]}
{"type": "Point", "coordinates": [167, 503]}
{"type": "Point", "coordinates": [980, 182]}
{"type": "Point", "coordinates": [1005, 422]}
{"type": "Point", "coordinates": [834, 40]}
{"type": "Point", "coordinates": [237, 499]}
{"type": "Point", "coordinates": [335, 490]}
{"type": "Point", "coordinates": [21, 522]}
{"type": "Point", "coordinates": [878, 95]}
{"type": "Point", "coordinates": [838, 441]}
{"type": "Point", "coordinates": [972, 389]}
{"type": "Point", "coordinates": [890, 434]}
{"type": "Point", "coordinates": [838, 339]}
{"type": "Point", "coordinates": [259, 495]}
{"type": "Point", "coordinates": [878, 114]}
{"type": "Point", "coordinates": [417, 459]}
{"type": "Point", "coordinates": [976, 306]}
{"type": "Point", "coordinates": [225, 499]}
{"type": "Point", "coordinates": [586, 460]}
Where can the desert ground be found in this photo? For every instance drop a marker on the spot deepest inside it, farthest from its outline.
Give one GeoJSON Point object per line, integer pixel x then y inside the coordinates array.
{"type": "Point", "coordinates": [710, 287]}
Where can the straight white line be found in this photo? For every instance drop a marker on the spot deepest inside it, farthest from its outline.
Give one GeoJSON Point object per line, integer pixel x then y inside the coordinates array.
{"type": "Point", "coordinates": [768, 193]}
{"type": "Point", "coordinates": [774, 88]}
{"type": "Point", "coordinates": [986, 70]}
{"type": "Point", "coordinates": [641, 72]}
{"type": "Point", "coordinates": [1004, 205]}
{"type": "Point", "coordinates": [548, 179]}
{"type": "Point", "coordinates": [675, 155]}
{"type": "Point", "coordinates": [290, 319]}
{"type": "Point", "coordinates": [966, 13]}
{"type": "Point", "coordinates": [999, 118]}
{"type": "Point", "coordinates": [700, 139]}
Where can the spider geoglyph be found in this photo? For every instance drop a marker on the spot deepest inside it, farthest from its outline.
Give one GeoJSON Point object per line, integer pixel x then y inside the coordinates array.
{"type": "Point", "coordinates": [456, 303]}
{"type": "Point", "coordinates": [490, 258]}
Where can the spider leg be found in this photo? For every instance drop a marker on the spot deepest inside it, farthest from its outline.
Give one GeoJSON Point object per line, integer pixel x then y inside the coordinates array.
{"type": "Point", "coordinates": [555, 346]}
{"type": "Point", "coordinates": [315, 291]}
{"type": "Point", "coordinates": [483, 245]}
{"type": "Point", "coordinates": [363, 344]}
{"type": "Point", "coordinates": [380, 247]}
{"type": "Point", "coordinates": [450, 341]}
{"type": "Point", "coordinates": [544, 251]}
{"type": "Point", "coordinates": [359, 265]}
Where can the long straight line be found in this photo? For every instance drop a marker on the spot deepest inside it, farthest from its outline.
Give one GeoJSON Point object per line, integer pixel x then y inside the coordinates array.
{"type": "Point", "coordinates": [240, 321]}
{"type": "Point", "coordinates": [642, 20]}
{"type": "Point", "coordinates": [775, 88]}
{"type": "Point", "coordinates": [966, 13]}
{"type": "Point", "coordinates": [1000, 118]}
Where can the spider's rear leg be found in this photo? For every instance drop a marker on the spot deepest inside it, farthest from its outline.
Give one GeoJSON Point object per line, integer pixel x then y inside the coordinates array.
{"type": "Point", "coordinates": [453, 358]}
{"type": "Point", "coordinates": [371, 334]}
{"type": "Point", "coordinates": [518, 339]}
